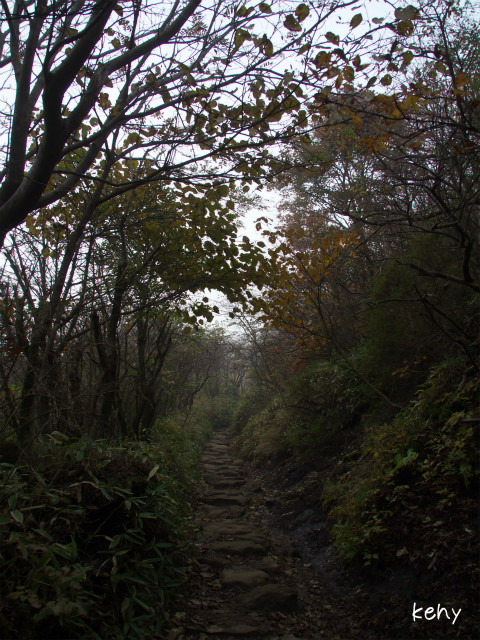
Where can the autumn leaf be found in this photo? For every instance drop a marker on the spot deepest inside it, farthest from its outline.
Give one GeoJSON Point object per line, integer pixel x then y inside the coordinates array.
{"type": "Point", "coordinates": [404, 28]}
{"type": "Point", "coordinates": [104, 101]}
{"type": "Point", "coordinates": [349, 73]}
{"type": "Point", "coordinates": [461, 79]}
{"type": "Point", "coordinates": [240, 36]}
{"type": "Point", "coordinates": [407, 58]}
{"type": "Point", "coordinates": [268, 48]}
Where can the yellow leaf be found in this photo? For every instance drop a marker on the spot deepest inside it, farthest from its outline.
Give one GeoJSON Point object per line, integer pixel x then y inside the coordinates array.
{"type": "Point", "coordinates": [153, 471]}
{"type": "Point", "coordinates": [357, 121]}
{"type": "Point", "coordinates": [104, 101]}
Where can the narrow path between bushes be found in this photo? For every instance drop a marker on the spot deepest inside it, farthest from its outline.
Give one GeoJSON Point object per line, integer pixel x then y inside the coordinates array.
{"type": "Point", "coordinates": [248, 583]}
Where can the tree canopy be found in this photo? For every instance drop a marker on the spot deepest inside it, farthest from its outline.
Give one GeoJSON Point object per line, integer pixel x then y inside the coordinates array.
{"type": "Point", "coordinates": [172, 85]}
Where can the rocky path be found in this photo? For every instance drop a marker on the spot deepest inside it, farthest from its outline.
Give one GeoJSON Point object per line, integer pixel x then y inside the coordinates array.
{"type": "Point", "coordinates": [248, 584]}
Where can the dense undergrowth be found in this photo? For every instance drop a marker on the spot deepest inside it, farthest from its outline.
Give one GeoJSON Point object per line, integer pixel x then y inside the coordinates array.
{"type": "Point", "coordinates": [400, 492]}
{"type": "Point", "coordinates": [94, 536]}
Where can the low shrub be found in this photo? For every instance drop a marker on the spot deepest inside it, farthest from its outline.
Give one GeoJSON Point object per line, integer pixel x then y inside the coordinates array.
{"type": "Point", "coordinates": [415, 480]}
{"type": "Point", "coordinates": [178, 439]}
{"type": "Point", "coordinates": [249, 405]}
{"type": "Point", "coordinates": [326, 396]}
{"type": "Point", "coordinates": [93, 539]}
{"type": "Point", "coordinates": [319, 403]}
{"type": "Point", "coordinates": [265, 436]}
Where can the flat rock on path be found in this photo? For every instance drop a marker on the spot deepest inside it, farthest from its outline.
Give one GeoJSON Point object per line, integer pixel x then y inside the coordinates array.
{"type": "Point", "coordinates": [243, 577]}
{"type": "Point", "coordinates": [246, 583]}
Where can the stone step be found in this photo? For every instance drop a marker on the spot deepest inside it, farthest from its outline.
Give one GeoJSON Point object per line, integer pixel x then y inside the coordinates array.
{"type": "Point", "coordinates": [243, 577]}
{"type": "Point", "coordinates": [225, 500]}
{"type": "Point", "coordinates": [238, 547]}
{"type": "Point", "coordinates": [270, 597]}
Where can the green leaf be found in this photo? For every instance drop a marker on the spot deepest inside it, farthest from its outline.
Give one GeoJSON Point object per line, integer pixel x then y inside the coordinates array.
{"type": "Point", "coordinates": [405, 28]}
{"type": "Point", "coordinates": [17, 515]}
{"type": "Point", "coordinates": [331, 37]}
{"type": "Point", "coordinates": [356, 20]}
{"type": "Point", "coordinates": [291, 24]}
{"type": "Point", "coordinates": [302, 12]}
{"type": "Point", "coordinates": [407, 13]}
{"type": "Point", "coordinates": [264, 7]}
{"type": "Point", "coordinates": [45, 534]}
{"type": "Point", "coordinates": [223, 190]}
{"type": "Point", "coordinates": [62, 550]}
{"type": "Point", "coordinates": [126, 605]}
{"type": "Point", "coordinates": [268, 48]}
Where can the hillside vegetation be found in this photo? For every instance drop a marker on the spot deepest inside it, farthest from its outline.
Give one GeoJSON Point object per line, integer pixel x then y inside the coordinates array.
{"type": "Point", "coordinates": [135, 138]}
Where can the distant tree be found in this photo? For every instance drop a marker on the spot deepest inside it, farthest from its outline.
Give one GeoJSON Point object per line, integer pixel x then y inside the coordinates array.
{"type": "Point", "coordinates": [390, 198]}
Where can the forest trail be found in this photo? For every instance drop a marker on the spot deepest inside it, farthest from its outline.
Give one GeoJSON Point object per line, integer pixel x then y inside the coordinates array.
{"type": "Point", "coordinates": [247, 582]}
